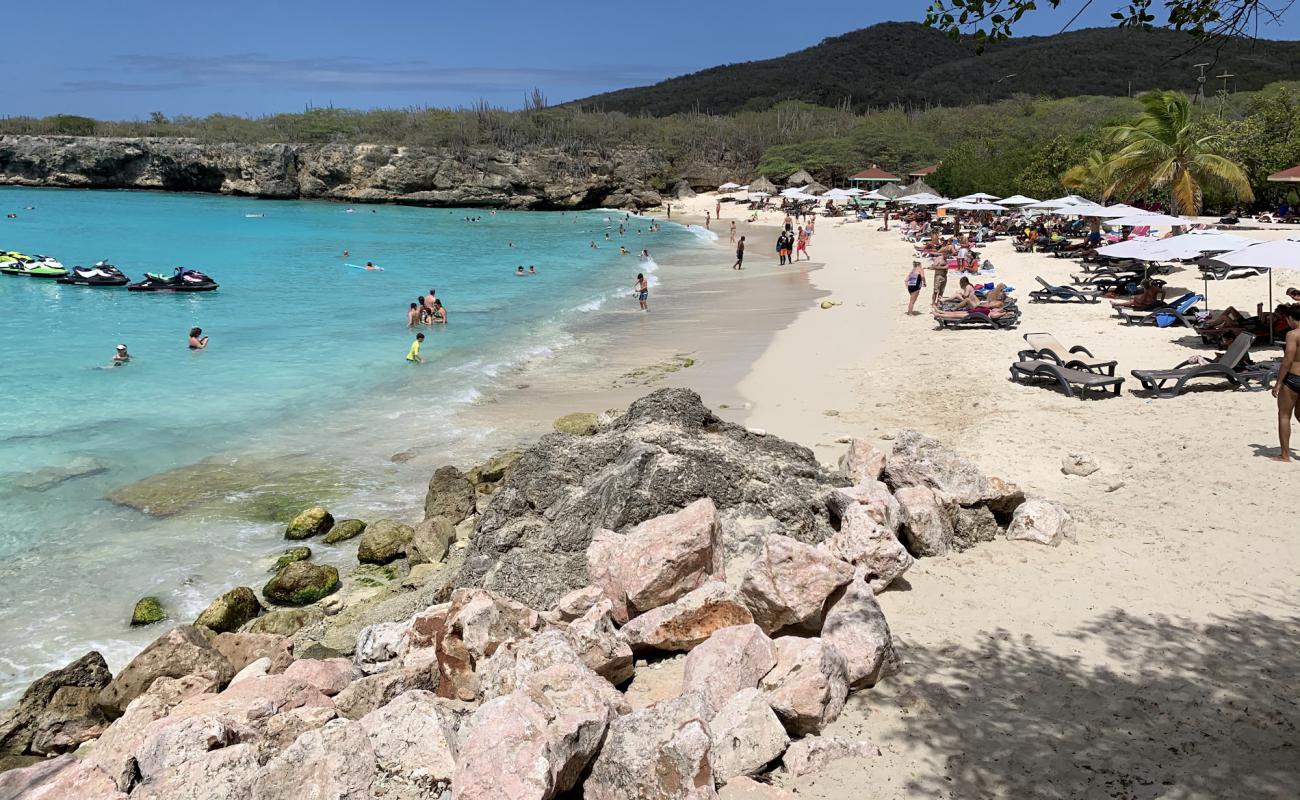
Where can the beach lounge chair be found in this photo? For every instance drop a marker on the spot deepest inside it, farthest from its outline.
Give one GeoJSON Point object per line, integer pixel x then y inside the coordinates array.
{"type": "Point", "coordinates": [975, 319]}
{"type": "Point", "coordinates": [1067, 377]}
{"type": "Point", "coordinates": [1064, 294]}
{"type": "Point", "coordinates": [1045, 347]}
{"type": "Point", "coordinates": [1180, 312]}
{"type": "Point", "coordinates": [1170, 382]}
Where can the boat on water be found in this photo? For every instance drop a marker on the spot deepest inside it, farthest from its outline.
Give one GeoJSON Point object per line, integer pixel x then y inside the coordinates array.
{"type": "Point", "coordinates": [181, 280]}
{"type": "Point", "coordinates": [101, 274]}
{"type": "Point", "coordinates": [34, 266]}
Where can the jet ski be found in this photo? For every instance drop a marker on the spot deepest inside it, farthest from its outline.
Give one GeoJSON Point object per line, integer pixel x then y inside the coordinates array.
{"type": "Point", "coordinates": [102, 274]}
{"type": "Point", "coordinates": [32, 266]}
{"type": "Point", "coordinates": [181, 280]}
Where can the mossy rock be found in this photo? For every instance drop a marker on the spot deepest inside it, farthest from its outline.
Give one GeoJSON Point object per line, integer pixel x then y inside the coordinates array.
{"type": "Point", "coordinates": [343, 530]}
{"type": "Point", "coordinates": [229, 612]}
{"type": "Point", "coordinates": [260, 489]}
{"type": "Point", "coordinates": [495, 469]}
{"type": "Point", "coordinates": [309, 522]}
{"type": "Point", "coordinates": [582, 423]}
{"type": "Point", "coordinates": [148, 610]}
{"type": "Point", "coordinates": [291, 555]}
{"type": "Point", "coordinates": [384, 541]}
{"type": "Point", "coordinates": [301, 583]}
{"type": "Point", "coordinates": [285, 621]}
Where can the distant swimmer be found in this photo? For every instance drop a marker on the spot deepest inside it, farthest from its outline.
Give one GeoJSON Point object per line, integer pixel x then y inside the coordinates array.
{"type": "Point", "coordinates": [593, 245]}
{"type": "Point", "coordinates": [197, 340]}
{"type": "Point", "coordinates": [520, 270]}
{"type": "Point", "coordinates": [350, 211]}
{"type": "Point", "coordinates": [121, 358]}
{"type": "Point", "coordinates": [642, 291]}
{"type": "Point", "coordinates": [622, 251]}
{"type": "Point", "coordinates": [346, 254]}
{"type": "Point", "coordinates": [413, 316]}
{"type": "Point", "coordinates": [413, 355]}
{"type": "Point", "coordinates": [645, 255]}
{"type": "Point", "coordinates": [532, 270]}
{"type": "Point", "coordinates": [372, 268]}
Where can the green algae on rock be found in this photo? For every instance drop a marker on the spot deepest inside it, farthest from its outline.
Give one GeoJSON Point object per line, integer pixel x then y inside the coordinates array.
{"type": "Point", "coordinates": [343, 530]}
{"type": "Point", "coordinates": [148, 610]}
{"type": "Point", "coordinates": [384, 541]}
{"type": "Point", "coordinates": [301, 583]}
{"type": "Point", "coordinates": [291, 555]}
{"type": "Point", "coordinates": [261, 489]}
{"type": "Point", "coordinates": [285, 621]}
{"type": "Point", "coordinates": [581, 423]}
{"type": "Point", "coordinates": [309, 522]}
{"type": "Point", "coordinates": [230, 611]}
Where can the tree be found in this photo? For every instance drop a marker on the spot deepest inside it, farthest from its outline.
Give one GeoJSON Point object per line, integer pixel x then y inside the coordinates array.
{"type": "Point", "coordinates": [1162, 149]}
{"type": "Point", "coordinates": [994, 20]}
{"type": "Point", "coordinates": [1092, 176]}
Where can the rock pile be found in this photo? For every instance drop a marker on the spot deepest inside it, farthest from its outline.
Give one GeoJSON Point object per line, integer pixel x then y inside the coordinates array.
{"type": "Point", "coordinates": [671, 532]}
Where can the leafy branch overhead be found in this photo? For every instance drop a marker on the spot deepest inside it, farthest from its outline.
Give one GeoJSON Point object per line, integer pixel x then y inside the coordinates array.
{"type": "Point", "coordinates": [987, 21]}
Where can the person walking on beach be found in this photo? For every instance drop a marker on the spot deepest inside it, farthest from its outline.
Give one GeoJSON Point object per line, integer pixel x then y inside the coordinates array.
{"type": "Point", "coordinates": [642, 291]}
{"type": "Point", "coordinates": [802, 245]}
{"type": "Point", "coordinates": [740, 254]}
{"type": "Point", "coordinates": [1287, 387]}
{"type": "Point", "coordinates": [670, 211]}
{"type": "Point", "coordinates": [915, 280]}
{"type": "Point", "coordinates": [733, 231]}
{"type": "Point", "coordinates": [717, 210]}
{"type": "Point", "coordinates": [413, 355]}
{"type": "Point", "coordinates": [707, 220]}
{"type": "Point", "coordinates": [197, 340]}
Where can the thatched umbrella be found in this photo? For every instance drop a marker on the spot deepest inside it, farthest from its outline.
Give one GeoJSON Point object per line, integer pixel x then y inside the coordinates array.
{"type": "Point", "coordinates": [917, 187]}
{"type": "Point", "coordinates": [890, 190]}
{"type": "Point", "coordinates": [762, 184]}
{"type": "Point", "coordinates": [800, 178]}
{"type": "Point", "coordinates": [814, 188]}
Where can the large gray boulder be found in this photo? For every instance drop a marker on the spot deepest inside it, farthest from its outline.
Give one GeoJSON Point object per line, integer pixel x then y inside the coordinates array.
{"type": "Point", "coordinates": [21, 722]}
{"type": "Point", "coordinates": [666, 452]}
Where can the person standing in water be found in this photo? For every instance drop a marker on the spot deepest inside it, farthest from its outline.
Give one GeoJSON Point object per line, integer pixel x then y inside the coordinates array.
{"type": "Point", "coordinates": [740, 254]}
{"type": "Point", "coordinates": [121, 358]}
{"type": "Point", "coordinates": [197, 340]}
{"type": "Point", "coordinates": [413, 355]}
{"type": "Point", "coordinates": [413, 316]}
{"type": "Point", "coordinates": [642, 291]}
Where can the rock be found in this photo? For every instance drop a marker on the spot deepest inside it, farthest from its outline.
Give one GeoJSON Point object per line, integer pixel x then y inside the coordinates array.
{"type": "Point", "coordinates": [242, 649]}
{"type": "Point", "coordinates": [869, 546]}
{"type": "Point", "coordinates": [62, 778]}
{"type": "Point", "coordinates": [181, 651]}
{"type": "Point", "coordinates": [414, 737]}
{"type": "Point", "coordinates": [330, 676]}
{"type": "Point", "coordinates": [495, 469]}
{"type": "Point", "coordinates": [1042, 521]}
{"type": "Point", "coordinates": [743, 788]}
{"type": "Point", "coordinates": [230, 611]}
{"type": "Point", "coordinates": [578, 602]}
{"type": "Point", "coordinates": [167, 746]}
{"type": "Point", "coordinates": [856, 627]}
{"type": "Point", "coordinates": [310, 522]}
{"type": "Point", "coordinates": [336, 761]}
{"type": "Point", "coordinates": [364, 695]}
{"type": "Point", "coordinates": [1080, 464]}
{"type": "Point", "coordinates": [343, 530]}
{"type": "Point", "coordinates": [148, 610]}
{"type": "Point", "coordinates": [660, 752]}
{"type": "Point", "coordinates": [291, 555]}
{"type": "Point", "coordinates": [659, 560]}
{"type": "Point", "coordinates": [384, 541]}
{"type": "Point", "coordinates": [511, 665]}
{"type": "Point", "coordinates": [222, 774]}
{"type": "Point", "coordinates": [378, 645]}
{"type": "Point", "coordinates": [301, 583]}
{"type": "Point", "coordinates": [927, 526]}
{"type": "Point", "coordinates": [665, 453]}
{"type": "Point", "coordinates": [282, 729]}
{"type": "Point", "coordinates": [863, 462]}
{"type": "Point", "coordinates": [812, 753]}
{"type": "Point", "coordinates": [253, 669]}
{"type": "Point", "coordinates": [20, 722]}
{"type": "Point", "coordinates": [728, 661]}
{"type": "Point", "coordinates": [689, 620]}
{"type": "Point", "coordinates": [535, 742]}
{"type": "Point", "coordinates": [918, 460]}
{"type": "Point", "coordinates": [285, 621]}
{"type": "Point", "coordinates": [46, 478]}
{"type": "Point", "coordinates": [747, 736]}
{"type": "Point", "coordinates": [72, 717]}
{"type": "Point", "coordinates": [972, 525]}
{"type": "Point", "coordinates": [486, 620]}
{"type": "Point", "coordinates": [809, 684]}
{"type": "Point", "coordinates": [788, 583]}
{"type": "Point", "coordinates": [1004, 500]}
{"type": "Point", "coordinates": [430, 540]}
{"type": "Point", "coordinates": [597, 643]}
{"type": "Point", "coordinates": [450, 495]}
{"type": "Point", "coordinates": [581, 423]}
{"type": "Point", "coordinates": [874, 496]}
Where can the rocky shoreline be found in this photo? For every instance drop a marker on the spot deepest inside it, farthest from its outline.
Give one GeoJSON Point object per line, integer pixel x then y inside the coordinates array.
{"type": "Point", "coordinates": [664, 605]}
{"type": "Point", "coordinates": [547, 179]}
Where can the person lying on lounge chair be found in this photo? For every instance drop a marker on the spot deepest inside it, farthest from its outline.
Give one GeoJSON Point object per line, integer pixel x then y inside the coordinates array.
{"type": "Point", "coordinates": [1151, 296]}
{"type": "Point", "coordinates": [991, 313]}
{"type": "Point", "coordinates": [1226, 324]}
{"type": "Point", "coordinates": [965, 299]}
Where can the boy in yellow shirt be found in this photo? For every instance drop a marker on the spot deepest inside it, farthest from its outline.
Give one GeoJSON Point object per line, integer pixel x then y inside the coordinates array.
{"type": "Point", "coordinates": [414, 354]}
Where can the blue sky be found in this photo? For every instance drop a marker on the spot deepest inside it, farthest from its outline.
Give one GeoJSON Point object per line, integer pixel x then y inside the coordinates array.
{"type": "Point", "coordinates": [123, 60]}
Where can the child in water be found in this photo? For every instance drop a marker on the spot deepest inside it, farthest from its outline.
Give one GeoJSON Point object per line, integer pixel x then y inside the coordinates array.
{"type": "Point", "coordinates": [414, 354]}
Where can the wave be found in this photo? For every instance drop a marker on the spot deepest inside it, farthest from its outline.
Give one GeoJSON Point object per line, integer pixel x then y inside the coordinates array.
{"type": "Point", "coordinates": [702, 232]}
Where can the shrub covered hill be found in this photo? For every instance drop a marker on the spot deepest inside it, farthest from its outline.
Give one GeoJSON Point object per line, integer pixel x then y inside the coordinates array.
{"type": "Point", "coordinates": [899, 63]}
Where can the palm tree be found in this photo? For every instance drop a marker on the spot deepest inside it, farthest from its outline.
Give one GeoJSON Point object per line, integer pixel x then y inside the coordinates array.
{"type": "Point", "coordinates": [1163, 150]}
{"type": "Point", "coordinates": [1092, 177]}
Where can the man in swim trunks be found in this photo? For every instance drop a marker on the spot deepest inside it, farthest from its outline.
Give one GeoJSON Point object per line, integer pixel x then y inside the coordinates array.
{"type": "Point", "coordinates": [642, 291]}
{"type": "Point", "coordinates": [413, 355]}
{"type": "Point", "coordinates": [740, 254]}
{"type": "Point", "coordinates": [1287, 388]}
{"type": "Point", "coordinates": [413, 316]}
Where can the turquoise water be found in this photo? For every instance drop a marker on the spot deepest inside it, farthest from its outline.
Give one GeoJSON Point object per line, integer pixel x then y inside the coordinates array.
{"type": "Point", "coordinates": [305, 369]}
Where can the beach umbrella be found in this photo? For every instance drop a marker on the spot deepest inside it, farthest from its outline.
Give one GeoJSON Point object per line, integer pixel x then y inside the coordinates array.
{"type": "Point", "coordinates": [838, 194]}
{"type": "Point", "coordinates": [1017, 200]}
{"type": "Point", "coordinates": [729, 186]}
{"type": "Point", "coordinates": [961, 205]}
{"type": "Point", "coordinates": [1140, 249]}
{"type": "Point", "coordinates": [977, 197]}
{"type": "Point", "coordinates": [855, 191]}
{"type": "Point", "coordinates": [1198, 243]}
{"type": "Point", "coordinates": [916, 187]}
{"type": "Point", "coordinates": [759, 195]}
{"type": "Point", "coordinates": [890, 191]}
{"type": "Point", "coordinates": [814, 188]}
{"type": "Point", "coordinates": [1153, 220]}
{"type": "Point", "coordinates": [1280, 254]}
{"type": "Point", "coordinates": [872, 196]}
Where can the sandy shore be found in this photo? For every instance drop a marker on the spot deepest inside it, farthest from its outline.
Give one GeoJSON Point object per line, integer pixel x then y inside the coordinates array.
{"type": "Point", "coordinates": [1155, 657]}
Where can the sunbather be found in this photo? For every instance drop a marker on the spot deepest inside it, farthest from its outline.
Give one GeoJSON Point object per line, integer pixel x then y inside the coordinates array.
{"type": "Point", "coordinates": [966, 299]}
{"type": "Point", "coordinates": [1152, 295]}
{"type": "Point", "coordinates": [991, 313]}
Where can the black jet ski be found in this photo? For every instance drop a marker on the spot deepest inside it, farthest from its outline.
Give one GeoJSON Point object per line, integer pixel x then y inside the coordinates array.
{"type": "Point", "coordinates": [102, 274]}
{"type": "Point", "coordinates": [181, 280]}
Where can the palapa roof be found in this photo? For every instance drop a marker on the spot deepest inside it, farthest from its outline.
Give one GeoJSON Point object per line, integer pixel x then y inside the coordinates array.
{"type": "Point", "coordinates": [917, 186]}
{"type": "Point", "coordinates": [800, 178]}
{"type": "Point", "coordinates": [923, 171]}
{"type": "Point", "coordinates": [1286, 176]}
{"type": "Point", "coordinates": [874, 173]}
{"type": "Point", "coordinates": [762, 184]}
{"type": "Point", "coordinates": [815, 188]}
{"type": "Point", "coordinates": [891, 190]}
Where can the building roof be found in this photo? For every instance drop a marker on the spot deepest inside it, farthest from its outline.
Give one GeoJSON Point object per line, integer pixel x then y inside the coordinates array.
{"type": "Point", "coordinates": [1286, 176]}
{"type": "Point", "coordinates": [873, 173]}
{"type": "Point", "coordinates": [923, 171]}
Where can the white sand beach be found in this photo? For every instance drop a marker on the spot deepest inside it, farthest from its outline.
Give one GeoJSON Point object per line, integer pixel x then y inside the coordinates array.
{"type": "Point", "coordinates": [1155, 657]}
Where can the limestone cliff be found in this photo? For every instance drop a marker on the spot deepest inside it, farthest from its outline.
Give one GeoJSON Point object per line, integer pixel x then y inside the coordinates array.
{"type": "Point", "coordinates": [486, 177]}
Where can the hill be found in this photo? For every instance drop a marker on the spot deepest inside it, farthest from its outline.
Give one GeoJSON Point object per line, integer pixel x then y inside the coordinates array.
{"type": "Point", "coordinates": [910, 65]}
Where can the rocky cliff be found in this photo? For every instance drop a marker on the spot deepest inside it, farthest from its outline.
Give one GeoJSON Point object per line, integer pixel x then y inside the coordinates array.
{"type": "Point", "coordinates": [486, 177]}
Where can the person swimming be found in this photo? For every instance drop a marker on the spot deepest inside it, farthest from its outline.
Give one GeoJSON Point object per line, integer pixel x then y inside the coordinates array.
{"type": "Point", "coordinates": [532, 270]}
{"type": "Point", "coordinates": [519, 270]}
{"type": "Point", "coordinates": [197, 340]}
{"type": "Point", "coordinates": [413, 355]}
{"type": "Point", "coordinates": [622, 251]}
{"type": "Point", "coordinates": [121, 358]}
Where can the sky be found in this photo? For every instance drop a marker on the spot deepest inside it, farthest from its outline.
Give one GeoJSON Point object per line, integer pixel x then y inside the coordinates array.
{"type": "Point", "coordinates": [124, 60]}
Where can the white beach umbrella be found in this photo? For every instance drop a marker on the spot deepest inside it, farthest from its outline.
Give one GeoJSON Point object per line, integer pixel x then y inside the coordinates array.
{"type": "Point", "coordinates": [977, 197]}
{"type": "Point", "coordinates": [872, 196]}
{"type": "Point", "coordinates": [1198, 243]}
{"type": "Point", "coordinates": [923, 199]}
{"type": "Point", "coordinates": [791, 192]}
{"type": "Point", "coordinates": [960, 205]}
{"type": "Point", "coordinates": [1140, 249]}
{"type": "Point", "coordinates": [855, 191]}
{"type": "Point", "coordinates": [1279, 254]}
{"type": "Point", "coordinates": [759, 195]}
{"type": "Point", "coordinates": [1017, 200]}
{"type": "Point", "coordinates": [837, 194]}
{"type": "Point", "coordinates": [729, 186]}
{"type": "Point", "coordinates": [1152, 220]}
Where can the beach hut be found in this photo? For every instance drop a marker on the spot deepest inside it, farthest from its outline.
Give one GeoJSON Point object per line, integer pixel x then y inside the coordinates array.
{"type": "Point", "coordinates": [924, 172]}
{"type": "Point", "coordinates": [873, 177]}
{"type": "Point", "coordinates": [800, 178]}
{"type": "Point", "coordinates": [762, 184]}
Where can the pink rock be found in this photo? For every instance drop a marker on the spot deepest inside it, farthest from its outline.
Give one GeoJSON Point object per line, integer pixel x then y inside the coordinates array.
{"type": "Point", "coordinates": [113, 752]}
{"type": "Point", "coordinates": [242, 649]}
{"type": "Point", "coordinates": [809, 684]}
{"type": "Point", "coordinates": [812, 753]}
{"type": "Point", "coordinates": [222, 774]}
{"type": "Point", "coordinates": [477, 623]}
{"type": "Point", "coordinates": [875, 496]}
{"type": "Point", "coordinates": [597, 643]}
{"type": "Point", "coordinates": [659, 560]}
{"type": "Point", "coordinates": [789, 581]}
{"type": "Point", "coordinates": [513, 662]}
{"type": "Point", "coordinates": [173, 745]}
{"type": "Point", "coordinates": [927, 525]}
{"type": "Point", "coordinates": [336, 761]}
{"type": "Point", "coordinates": [856, 627]}
{"type": "Point", "coordinates": [183, 650]}
{"type": "Point", "coordinates": [730, 660]}
{"type": "Point", "coordinates": [330, 676]}
{"type": "Point", "coordinates": [743, 788]}
{"type": "Point", "coordinates": [863, 461]}
{"type": "Point", "coordinates": [414, 736]}
{"type": "Point", "coordinates": [870, 546]}
{"type": "Point", "coordinates": [689, 620]}
{"type": "Point", "coordinates": [374, 691]}
{"type": "Point", "coordinates": [1042, 521]}
{"type": "Point", "coordinates": [747, 736]}
{"type": "Point", "coordinates": [61, 778]}
{"type": "Point", "coordinates": [660, 752]}
{"type": "Point", "coordinates": [577, 602]}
